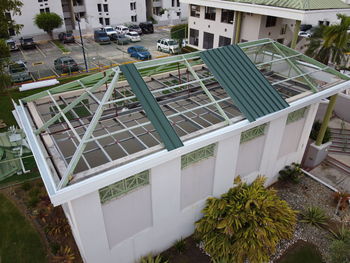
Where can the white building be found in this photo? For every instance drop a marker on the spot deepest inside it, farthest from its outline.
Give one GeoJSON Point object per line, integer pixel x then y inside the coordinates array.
{"type": "Point", "coordinates": [132, 160]}
{"type": "Point", "coordinates": [214, 23]}
{"type": "Point", "coordinates": [167, 12]}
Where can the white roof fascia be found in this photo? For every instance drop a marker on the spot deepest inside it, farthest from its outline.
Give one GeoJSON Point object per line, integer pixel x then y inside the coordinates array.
{"type": "Point", "coordinates": [288, 13]}
{"type": "Point", "coordinates": [79, 189]}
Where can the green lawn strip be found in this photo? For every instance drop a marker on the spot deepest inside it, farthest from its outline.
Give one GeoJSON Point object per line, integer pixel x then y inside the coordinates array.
{"type": "Point", "coordinates": [60, 46]}
{"type": "Point", "coordinates": [302, 252]}
{"type": "Point", "coordinates": [19, 241]}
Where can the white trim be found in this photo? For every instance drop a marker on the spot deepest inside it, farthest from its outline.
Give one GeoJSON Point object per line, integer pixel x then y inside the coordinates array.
{"type": "Point", "coordinates": [96, 182]}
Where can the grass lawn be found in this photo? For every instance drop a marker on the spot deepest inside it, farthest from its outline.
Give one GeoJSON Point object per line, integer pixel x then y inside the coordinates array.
{"type": "Point", "coordinates": [19, 241]}
{"type": "Point", "coordinates": [301, 252]}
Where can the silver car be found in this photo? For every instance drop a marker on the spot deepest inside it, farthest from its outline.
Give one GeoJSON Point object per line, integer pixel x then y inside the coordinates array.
{"type": "Point", "coordinates": [19, 71]}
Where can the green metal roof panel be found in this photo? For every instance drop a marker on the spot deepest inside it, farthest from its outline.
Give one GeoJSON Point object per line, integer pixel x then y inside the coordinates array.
{"type": "Point", "coordinates": [151, 107]}
{"type": "Point", "coordinates": [248, 88]}
{"type": "Point", "coordinates": [298, 4]}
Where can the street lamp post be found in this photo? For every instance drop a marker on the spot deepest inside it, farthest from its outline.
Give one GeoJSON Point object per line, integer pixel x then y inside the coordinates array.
{"type": "Point", "coordinates": [82, 43]}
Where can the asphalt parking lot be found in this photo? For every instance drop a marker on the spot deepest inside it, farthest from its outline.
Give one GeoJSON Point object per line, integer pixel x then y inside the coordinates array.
{"type": "Point", "coordinates": [40, 60]}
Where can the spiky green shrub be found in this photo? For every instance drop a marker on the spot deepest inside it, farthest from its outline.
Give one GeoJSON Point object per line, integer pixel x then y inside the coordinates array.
{"type": "Point", "coordinates": [180, 245]}
{"type": "Point", "coordinates": [314, 216]}
{"type": "Point", "coordinates": [292, 173]}
{"type": "Point", "coordinates": [340, 251]}
{"type": "Point", "coordinates": [246, 223]}
{"type": "Point", "coordinates": [152, 259]}
{"type": "Point", "coordinates": [316, 129]}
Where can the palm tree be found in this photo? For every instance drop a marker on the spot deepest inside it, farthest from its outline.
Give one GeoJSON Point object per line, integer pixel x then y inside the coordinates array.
{"type": "Point", "coordinates": [329, 43]}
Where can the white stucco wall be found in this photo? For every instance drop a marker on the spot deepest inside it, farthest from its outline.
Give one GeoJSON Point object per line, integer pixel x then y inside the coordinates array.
{"type": "Point", "coordinates": [169, 217]}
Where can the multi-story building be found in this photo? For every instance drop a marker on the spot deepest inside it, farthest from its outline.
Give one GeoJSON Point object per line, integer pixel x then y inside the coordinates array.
{"type": "Point", "coordinates": [167, 11]}
{"type": "Point", "coordinates": [133, 153]}
{"type": "Point", "coordinates": [215, 23]}
{"type": "Point", "coordinates": [92, 13]}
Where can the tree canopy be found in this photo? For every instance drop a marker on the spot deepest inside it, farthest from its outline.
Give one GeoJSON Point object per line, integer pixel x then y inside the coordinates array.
{"type": "Point", "coordinates": [5, 79]}
{"type": "Point", "coordinates": [9, 8]}
{"type": "Point", "coordinates": [331, 42]}
{"type": "Point", "coordinates": [48, 22]}
{"type": "Point", "coordinates": [246, 223]}
{"type": "Point", "coordinates": [179, 32]}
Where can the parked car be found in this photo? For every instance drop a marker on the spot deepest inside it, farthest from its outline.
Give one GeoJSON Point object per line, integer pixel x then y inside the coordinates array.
{"type": "Point", "coordinates": [122, 29]}
{"type": "Point", "coordinates": [168, 45]}
{"type": "Point", "coordinates": [109, 30]}
{"type": "Point", "coordinates": [27, 42]}
{"type": "Point", "coordinates": [120, 39]}
{"type": "Point", "coordinates": [135, 28]}
{"type": "Point", "coordinates": [147, 27]}
{"type": "Point", "coordinates": [66, 64]}
{"type": "Point", "coordinates": [19, 71]}
{"type": "Point", "coordinates": [139, 52]}
{"type": "Point", "coordinates": [66, 37]}
{"type": "Point", "coordinates": [133, 36]}
{"type": "Point", "coordinates": [304, 34]}
{"type": "Point", "coordinates": [11, 43]}
{"type": "Point", "coordinates": [101, 37]}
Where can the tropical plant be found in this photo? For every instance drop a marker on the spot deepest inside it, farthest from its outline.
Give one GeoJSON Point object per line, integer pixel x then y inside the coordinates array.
{"type": "Point", "coordinates": [246, 223]}
{"type": "Point", "coordinates": [64, 255]}
{"type": "Point", "coordinates": [180, 245]}
{"type": "Point", "coordinates": [331, 42]}
{"type": "Point", "coordinates": [340, 251]}
{"type": "Point", "coordinates": [316, 129]}
{"type": "Point", "coordinates": [48, 22]}
{"type": "Point", "coordinates": [341, 199]}
{"type": "Point", "coordinates": [342, 233]}
{"type": "Point", "coordinates": [314, 216]}
{"type": "Point", "coordinates": [291, 173]}
{"type": "Point", "coordinates": [151, 259]}
{"type": "Point", "coordinates": [12, 7]}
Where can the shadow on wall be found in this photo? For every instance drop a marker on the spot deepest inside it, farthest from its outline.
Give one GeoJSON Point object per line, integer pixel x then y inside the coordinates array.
{"type": "Point", "coordinates": [341, 109]}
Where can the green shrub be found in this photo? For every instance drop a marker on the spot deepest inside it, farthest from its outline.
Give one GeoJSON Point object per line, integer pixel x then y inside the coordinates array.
{"type": "Point", "coordinates": [292, 173]}
{"type": "Point", "coordinates": [33, 201]}
{"type": "Point", "coordinates": [35, 192]}
{"type": "Point", "coordinates": [316, 129]}
{"type": "Point", "coordinates": [246, 223]}
{"type": "Point", "coordinates": [151, 259]}
{"type": "Point", "coordinates": [314, 216]}
{"type": "Point", "coordinates": [180, 245]}
{"type": "Point", "coordinates": [340, 251]}
{"type": "Point", "coordinates": [342, 233]}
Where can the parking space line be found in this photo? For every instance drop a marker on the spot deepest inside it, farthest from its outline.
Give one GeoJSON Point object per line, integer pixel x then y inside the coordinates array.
{"type": "Point", "coordinates": [54, 72]}
{"type": "Point", "coordinates": [24, 56]}
{"type": "Point", "coordinates": [41, 52]}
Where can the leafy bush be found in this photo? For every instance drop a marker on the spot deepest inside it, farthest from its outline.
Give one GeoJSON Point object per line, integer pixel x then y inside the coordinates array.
{"type": "Point", "coordinates": [316, 129]}
{"type": "Point", "coordinates": [291, 173]}
{"type": "Point", "coordinates": [246, 223]}
{"type": "Point", "coordinates": [314, 216]}
{"type": "Point", "coordinates": [48, 22]}
{"type": "Point", "coordinates": [151, 259]}
{"type": "Point", "coordinates": [180, 245]}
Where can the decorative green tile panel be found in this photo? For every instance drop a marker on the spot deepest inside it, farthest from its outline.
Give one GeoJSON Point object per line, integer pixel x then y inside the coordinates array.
{"type": "Point", "coordinates": [296, 115]}
{"type": "Point", "coordinates": [124, 186]}
{"type": "Point", "coordinates": [197, 156]}
{"type": "Point", "coordinates": [253, 133]}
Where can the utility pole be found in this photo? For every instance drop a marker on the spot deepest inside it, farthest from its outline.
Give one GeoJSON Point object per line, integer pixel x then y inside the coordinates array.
{"type": "Point", "coordinates": [77, 18]}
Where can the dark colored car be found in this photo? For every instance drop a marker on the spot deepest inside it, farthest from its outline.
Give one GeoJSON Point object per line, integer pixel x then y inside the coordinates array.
{"type": "Point", "coordinates": [11, 44]}
{"type": "Point", "coordinates": [66, 37]}
{"type": "Point", "coordinates": [101, 37]}
{"type": "Point", "coordinates": [146, 27]}
{"type": "Point", "coordinates": [19, 71]}
{"type": "Point", "coordinates": [27, 42]}
{"type": "Point", "coordinates": [120, 39]}
{"type": "Point", "coordinates": [66, 64]}
{"type": "Point", "coordinates": [139, 52]}
{"type": "Point", "coordinates": [135, 28]}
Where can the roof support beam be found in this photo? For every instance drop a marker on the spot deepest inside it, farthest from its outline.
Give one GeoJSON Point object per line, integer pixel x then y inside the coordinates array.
{"type": "Point", "coordinates": [298, 76]}
{"type": "Point", "coordinates": [76, 157]}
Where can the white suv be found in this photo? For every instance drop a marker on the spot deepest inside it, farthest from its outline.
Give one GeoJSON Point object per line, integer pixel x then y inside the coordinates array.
{"type": "Point", "coordinates": [122, 29]}
{"type": "Point", "coordinates": [168, 45]}
{"type": "Point", "coordinates": [109, 30]}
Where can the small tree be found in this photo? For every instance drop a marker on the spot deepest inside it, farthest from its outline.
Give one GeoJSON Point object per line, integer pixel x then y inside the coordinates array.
{"type": "Point", "coordinates": [12, 7]}
{"type": "Point", "coordinates": [179, 32]}
{"type": "Point", "coordinates": [5, 78]}
{"type": "Point", "coordinates": [246, 223]}
{"type": "Point", "coordinates": [48, 22]}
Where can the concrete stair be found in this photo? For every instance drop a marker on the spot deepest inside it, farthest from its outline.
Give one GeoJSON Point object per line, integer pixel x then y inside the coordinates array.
{"type": "Point", "coordinates": [340, 141]}
{"type": "Point", "coordinates": [337, 164]}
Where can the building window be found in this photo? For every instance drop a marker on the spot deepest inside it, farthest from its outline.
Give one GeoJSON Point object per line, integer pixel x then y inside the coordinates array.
{"type": "Point", "coordinates": [194, 37]}
{"type": "Point", "coordinates": [99, 8]}
{"type": "Point", "coordinates": [283, 29]}
{"type": "Point", "coordinates": [224, 41]}
{"type": "Point", "coordinates": [100, 19]}
{"type": "Point", "coordinates": [320, 23]}
{"type": "Point", "coordinates": [133, 6]}
{"type": "Point", "coordinates": [178, 3]}
{"type": "Point", "coordinates": [197, 156]}
{"type": "Point", "coordinates": [195, 10]}
{"type": "Point", "coordinates": [47, 10]}
{"type": "Point", "coordinates": [172, 3]}
{"type": "Point", "coordinates": [134, 18]}
{"type": "Point", "coordinates": [107, 23]}
{"type": "Point", "coordinates": [210, 13]}
{"type": "Point", "coordinates": [208, 40]}
{"type": "Point", "coordinates": [105, 7]}
{"type": "Point", "coordinates": [253, 133]}
{"type": "Point", "coordinates": [327, 23]}
{"type": "Point", "coordinates": [124, 186]}
{"type": "Point", "coordinates": [296, 115]}
{"type": "Point", "coordinates": [271, 21]}
{"type": "Point", "coordinates": [227, 16]}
